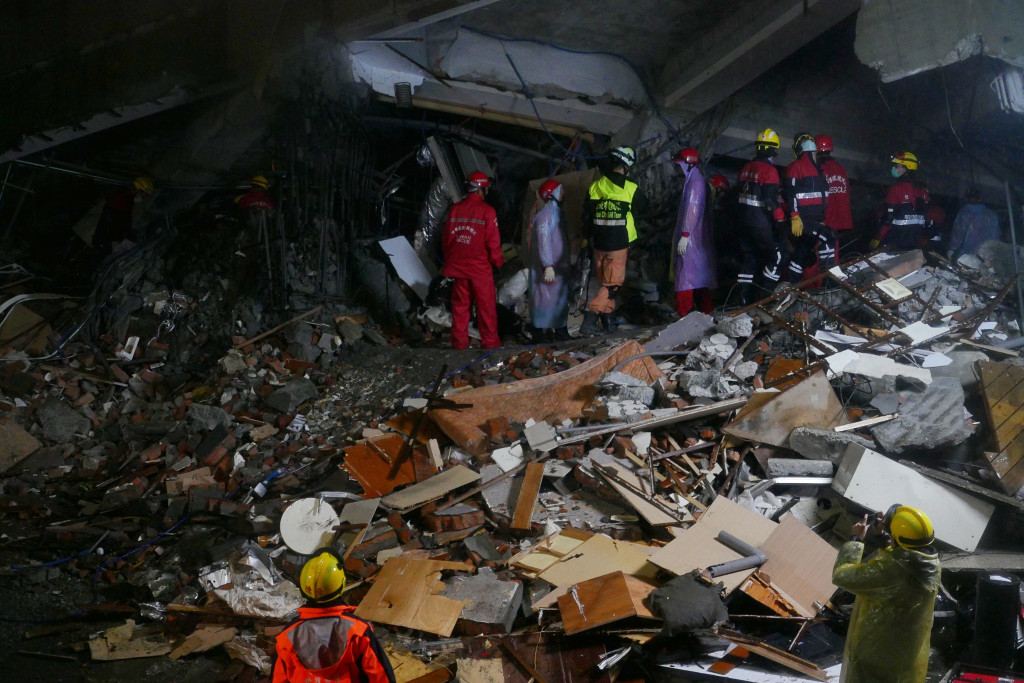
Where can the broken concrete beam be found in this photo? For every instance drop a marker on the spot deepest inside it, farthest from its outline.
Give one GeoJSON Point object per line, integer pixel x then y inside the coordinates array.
{"type": "Point", "coordinates": [796, 467]}
{"type": "Point", "coordinates": [902, 264]}
{"type": "Point", "coordinates": [876, 482]}
{"type": "Point", "coordinates": [623, 387]}
{"type": "Point", "coordinates": [202, 418]}
{"type": "Point", "coordinates": [686, 331]}
{"type": "Point", "coordinates": [288, 398]}
{"type": "Point", "coordinates": [824, 444]}
{"type": "Point", "coordinates": [60, 422]}
{"type": "Point", "coordinates": [928, 420]}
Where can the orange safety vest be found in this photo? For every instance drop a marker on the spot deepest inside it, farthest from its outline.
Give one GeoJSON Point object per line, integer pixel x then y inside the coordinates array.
{"type": "Point", "coordinates": [329, 644]}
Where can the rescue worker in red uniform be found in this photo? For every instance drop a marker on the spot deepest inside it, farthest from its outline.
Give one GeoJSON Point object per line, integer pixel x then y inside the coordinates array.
{"type": "Point", "coordinates": [115, 223]}
{"type": "Point", "coordinates": [256, 198]}
{"type": "Point", "coordinates": [906, 205]}
{"type": "Point", "coordinates": [329, 643]}
{"type": "Point", "coordinates": [759, 209]}
{"type": "Point", "coordinates": [838, 215]}
{"type": "Point", "coordinates": [609, 224]}
{"type": "Point", "coordinates": [806, 193]}
{"type": "Point", "coordinates": [472, 248]}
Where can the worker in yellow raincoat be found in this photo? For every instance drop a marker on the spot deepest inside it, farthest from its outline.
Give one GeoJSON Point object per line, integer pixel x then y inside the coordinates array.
{"type": "Point", "coordinates": [891, 624]}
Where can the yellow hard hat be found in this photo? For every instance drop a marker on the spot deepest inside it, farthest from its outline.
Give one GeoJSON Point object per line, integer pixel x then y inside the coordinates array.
{"type": "Point", "coordinates": [906, 159]}
{"type": "Point", "coordinates": [768, 138]}
{"type": "Point", "coordinates": [909, 527]}
{"type": "Point", "coordinates": [260, 181]}
{"type": "Point", "coordinates": [322, 578]}
{"type": "Point", "coordinates": [143, 184]}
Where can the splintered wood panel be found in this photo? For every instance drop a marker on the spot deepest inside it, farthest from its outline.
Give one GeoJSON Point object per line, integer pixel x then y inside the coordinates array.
{"type": "Point", "coordinates": [565, 659]}
{"type": "Point", "coordinates": [780, 367]}
{"type": "Point", "coordinates": [799, 565]}
{"type": "Point", "coordinates": [786, 659]}
{"type": "Point", "coordinates": [604, 600]}
{"type": "Point", "coordinates": [594, 558]}
{"type": "Point", "coordinates": [528, 495]}
{"type": "Point", "coordinates": [654, 515]}
{"type": "Point", "coordinates": [551, 549]}
{"type": "Point", "coordinates": [404, 594]}
{"type": "Point", "coordinates": [563, 395]}
{"type": "Point", "coordinates": [431, 489]}
{"type": "Point", "coordinates": [811, 403]}
{"type": "Point", "coordinates": [1002, 386]}
{"type": "Point", "coordinates": [371, 469]}
{"type": "Point", "coordinates": [698, 547]}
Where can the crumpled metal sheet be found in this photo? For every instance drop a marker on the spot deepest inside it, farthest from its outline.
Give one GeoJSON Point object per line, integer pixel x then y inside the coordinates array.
{"type": "Point", "coordinates": [278, 602]}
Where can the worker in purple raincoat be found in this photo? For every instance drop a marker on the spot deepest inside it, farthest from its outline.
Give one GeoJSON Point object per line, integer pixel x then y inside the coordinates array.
{"type": "Point", "coordinates": [693, 246]}
{"type": "Point", "coordinates": [548, 250]}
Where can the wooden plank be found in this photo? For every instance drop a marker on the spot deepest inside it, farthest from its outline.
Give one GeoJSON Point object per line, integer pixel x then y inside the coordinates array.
{"type": "Point", "coordinates": [595, 557]}
{"type": "Point", "coordinates": [698, 547]}
{"type": "Point", "coordinates": [654, 514]}
{"type": "Point", "coordinates": [811, 403]}
{"type": "Point", "coordinates": [790, 661]}
{"type": "Point", "coordinates": [366, 464]}
{"type": "Point", "coordinates": [438, 485]}
{"type": "Point", "coordinates": [604, 600]}
{"type": "Point", "coordinates": [404, 594]}
{"type": "Point", "coordinates": [563, 395]}
{"type": "Point", "coordinates": [272, 330]}
{"type": "Point", "coordinates": [998, 379]}
{"type": "Point", "coordinates": [528, 495]}
{"type": "Point", "coordinates": [799, 565]}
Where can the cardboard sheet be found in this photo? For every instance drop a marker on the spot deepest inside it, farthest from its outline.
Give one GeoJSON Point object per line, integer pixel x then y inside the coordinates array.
{"type": "Point", "coordinates": [595, 557]}
{"type": "Point", "coordinates": [404, 593]}
{"type": "Point", "coordinates": [698, 547]}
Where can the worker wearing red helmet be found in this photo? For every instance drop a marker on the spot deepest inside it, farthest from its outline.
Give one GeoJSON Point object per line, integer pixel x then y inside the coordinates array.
{"type": "Point", "coordinates": [693, 253]}
{"type": "Point", "coordinates": [838, 215]}
{"type": "Point", "coordinates": [547, 249]}
{"type": "Point", "coordinates": [906, 206]}
{"type": "Point", "coordinates": [806, 194]}
{"type": "Point", "coordinates": [472, 248]}
{"type": "Point", "coordinates": [759, 209]}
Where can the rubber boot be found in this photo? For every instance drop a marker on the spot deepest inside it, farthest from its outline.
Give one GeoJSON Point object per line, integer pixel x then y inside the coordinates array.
{"type": "Point", "coordinates": [607, 323]}
{"type": "Point", "coordinates": [590, 325]}
{"type": "Point", "coordinates": [561, 334]}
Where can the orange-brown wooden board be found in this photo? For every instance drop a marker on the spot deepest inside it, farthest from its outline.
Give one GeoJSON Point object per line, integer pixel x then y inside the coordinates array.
{"type": "Point", "coordinates": [1003, 390]}
{"type": "Point", "coordinates": [780, 367]}
{"type": "Point", "coordinates": [528, 495]}
{"type": "Point", "coordinates": [799, 565]}
{"type": "Point", "coordinates": [404, 593]}
{"type": "Point", "coordinates": [371, 469]}
{"type": "Point", "coordinates": [559, 396]}
{"type": "Point", "coordinates": [603, 600]}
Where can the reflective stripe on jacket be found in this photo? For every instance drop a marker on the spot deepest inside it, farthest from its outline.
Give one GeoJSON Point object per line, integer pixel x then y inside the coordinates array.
{"type": "Point", "coordinates": [329, 644]}
{"type": "Point", "coordinates": [906, 204]}
{"type": "Point", "coordinates": [759, 194]}
{"type": "Point", "coordinates": [471, 241]}
{"type": "Point", "coordinates": [613, 227]}
{"type": "Point", "coordinates": [805, 189]}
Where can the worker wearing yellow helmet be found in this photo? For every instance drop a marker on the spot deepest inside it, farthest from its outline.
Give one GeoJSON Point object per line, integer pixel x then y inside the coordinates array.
{"type": "Point", "coordinates": [329, 643]}
{"type": "Point", "coordinates": [890, 628]}
{"type": "Point", "coordinates": [906, 206]}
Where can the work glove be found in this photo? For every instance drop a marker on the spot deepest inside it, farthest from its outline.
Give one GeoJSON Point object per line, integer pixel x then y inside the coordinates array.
{"type": "Point", "coordinates": [873, 244]}
{"type": "Point", "coordinates": [684, 242]}
{"type": "Point", "coordinates": [549, 275]}
{"type": "Point", "coordinates": [584, 243]}
{"type": "Point", "coordinates": [796, 225]}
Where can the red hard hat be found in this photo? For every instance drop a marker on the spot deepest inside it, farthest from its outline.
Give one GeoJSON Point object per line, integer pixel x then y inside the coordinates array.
{"type": "Point", "coordinates": [479, 179]}
{"type": "Point", "coordinates": [547, 188]}
{"type": "Point", "coordinates": [824, 143]}
{"type": "Point", "coordinates": [686, 156]}
{"type": "Point", "coordinates": [719, 182]}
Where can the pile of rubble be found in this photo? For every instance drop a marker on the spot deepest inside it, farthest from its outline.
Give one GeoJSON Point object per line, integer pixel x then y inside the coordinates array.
{"type": "Point", "coordinates": [676, 498]}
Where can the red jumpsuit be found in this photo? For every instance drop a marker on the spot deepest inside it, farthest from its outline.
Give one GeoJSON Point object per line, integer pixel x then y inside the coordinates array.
{"type": "Point", "coordinates": [329, 644]}
{"type": "Point", "coordinates": [472, 247]}
{"type": "Point", "coordinates": [256, 199]}
{"type": "Point", "coordinates": [806, 191]}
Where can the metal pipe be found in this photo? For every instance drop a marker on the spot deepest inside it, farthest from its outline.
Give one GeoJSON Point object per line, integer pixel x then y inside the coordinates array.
{"type": "Point", "coordinates": [752, 557]}
{"type": "Point", "coordinates": [1016, 258]}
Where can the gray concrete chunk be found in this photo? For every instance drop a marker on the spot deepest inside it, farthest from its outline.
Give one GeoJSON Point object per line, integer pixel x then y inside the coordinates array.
{"type": "Point", "coordinates": [928, 420]}
{"type": "Point", "coordinates": [823, 444]}
{"type": "Point", "coordinates": [288, 398]}
{"type": "Point", "coordinates": [740, 326]}
{"type": "Point", "coordinates": [60, 422]}
{"type": "Point", "coordinates": [798, 467]}
{"type": "Point", "coordinates": [204, 418]}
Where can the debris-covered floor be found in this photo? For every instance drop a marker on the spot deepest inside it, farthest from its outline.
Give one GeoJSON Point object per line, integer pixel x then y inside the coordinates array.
{"type": "Point", "coordinates": [537, 512]}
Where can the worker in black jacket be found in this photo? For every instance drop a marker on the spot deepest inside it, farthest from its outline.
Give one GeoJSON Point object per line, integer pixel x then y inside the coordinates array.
{"type": "Point", "coordinates": [759, 210]}
{"type": "Point", "coordinates": [806, 193]}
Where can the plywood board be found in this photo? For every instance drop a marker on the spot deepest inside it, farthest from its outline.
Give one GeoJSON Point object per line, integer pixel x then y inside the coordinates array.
{"type": "Point", "coordinates": [528, 495]}
{"type": "Point", "coordinates": [562, 395]}
{"type": "Point", "coordinates": [371, 469]}
{"type": "Point", "coordinates": [1002, 386]}
{"type": "Point", "coordinates": [786, 659]}
{"type": "Point", "coordinates": [603, 600]}
{"type": "Point", "coordinates": [16, 444]}
{"type": "Point", "coordinates": [875, 482]}
{"type": "Point", "coordinates": [799, 565]}
{"type": "Point", "coordinates": [654, 515]}
{"type": "Point", "coordinates": [811, 403]}
{"type": "Point", "coordinates": [551, 549]}
{"type": "Point", "coordinates": [698, 547]}
{"type": "Point", "coordinates": [404, 593]}
{"type": "Point", "coordinates": [438, 485]}
{"type": "Point", "coordinates": [595, 557]}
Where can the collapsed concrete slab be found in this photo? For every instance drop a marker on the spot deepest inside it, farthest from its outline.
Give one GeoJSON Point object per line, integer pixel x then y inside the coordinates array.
{"type": "Point", "coordinates": [823, 444]}
{"type": "Point", "coordinates": [929, 420]}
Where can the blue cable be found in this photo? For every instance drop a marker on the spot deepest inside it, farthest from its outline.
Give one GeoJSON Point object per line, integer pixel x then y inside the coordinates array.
{"type": "Point", "coordinates": [96, 575]}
